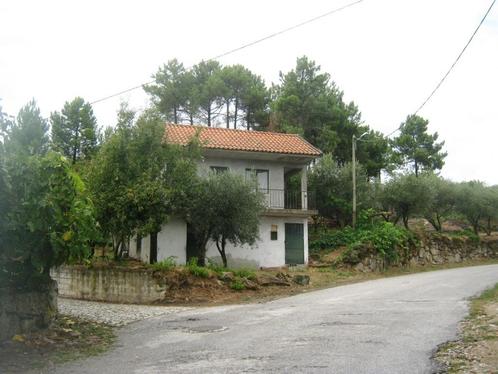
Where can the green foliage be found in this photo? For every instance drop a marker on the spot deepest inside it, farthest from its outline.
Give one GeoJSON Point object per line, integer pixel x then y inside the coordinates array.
{"type": "Point", "coordinates": [333, 187]}
{"type": "Point", "coordinates": [308, 102]}
{"type": "Point", "coordinates": [384, 237]}
{"type": "Point", "coordinates": [194, 268]}
{"type": "Point", "coordinates": [50, 219]}
{"type": "Point", "coordinates": [238, 284]}
{"type": "Point", "coordinates": [74, 130]}
{"type": "Point", "coordinates": [28, 133]}
{"type": "Point", "coordinates": [444, 199]}
{"type": "Point", "coordinates": [165, 265]}
{"type": "Point", "coordinates": [407, 196]}
{"type": "Point", "coordinates": [136, 181]}
{"type": "Point", "coordinates": [245, 273]}
{"type": "Point", "coordinates": [417, 147]}
{"type": "Point", "coordinates": [224, 209]}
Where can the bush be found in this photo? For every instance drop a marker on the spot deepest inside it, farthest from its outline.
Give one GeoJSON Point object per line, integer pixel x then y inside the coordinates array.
{"type": "Point", "coordinates": [164, 265]}
{"type": "Point", "coordinates": [333, 239]}
{"type": "Point", "coordinates": [194, 269]}
{"type": "Point", "coordinates": [245, 273]}
{"type": "Point", "coordinates": [237, 285]}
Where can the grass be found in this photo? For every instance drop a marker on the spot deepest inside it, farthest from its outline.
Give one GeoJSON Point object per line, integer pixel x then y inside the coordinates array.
{"type": "Point", "coordinates": [478, 337]}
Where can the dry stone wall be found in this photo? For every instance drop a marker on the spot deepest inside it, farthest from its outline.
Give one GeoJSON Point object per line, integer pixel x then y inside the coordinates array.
{"type": "Point", "coordinates": [432, 250]}
{"type": "Point", "coordinates": [23, 312]}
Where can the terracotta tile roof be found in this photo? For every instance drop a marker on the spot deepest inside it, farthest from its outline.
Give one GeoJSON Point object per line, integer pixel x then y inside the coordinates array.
{"type": "Point", "coordinates": [241, 140]}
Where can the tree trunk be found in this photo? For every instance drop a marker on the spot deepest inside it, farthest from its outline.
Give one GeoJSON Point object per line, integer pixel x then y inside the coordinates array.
{"type": "Point", "coordinates": [221, 249]}
{"type": "Point", "coordinates": [236, 112]}
{"type": "Point", "coordinates": [209, 116]}
{"type": "Point", "coordinates": [416, 168]}
{"type": "Point", "coordinates": [175, 115]}
{"type": "Point", "coordinates": [405, 221]}
{"type": "Point", "coordinates": [153, 248]}
{"type": "Point", "coordinates": [488, 230]}
{"type": "Point", "coordinates": [228, 113]}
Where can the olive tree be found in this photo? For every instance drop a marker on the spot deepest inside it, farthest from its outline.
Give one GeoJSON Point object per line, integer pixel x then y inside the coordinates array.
{"type": "Point", "coordinates": [226, 209]}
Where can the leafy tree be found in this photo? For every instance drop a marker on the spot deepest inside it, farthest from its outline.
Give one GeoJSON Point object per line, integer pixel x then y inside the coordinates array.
{"type": "Point", "coordinates": [443, 201]}
{"type": "Point", "coordinates": [333, 186]}
{"type": "Point", "coordinates": [28, 133]}
{"type": "Point", "coordinates": [226, 209]}
{"type": "Point", "coordinates": [134, 180]}
{"type": "Point", "coordinates": [48, 219]}
{"type": "Point", "coordinates": [74, 130]}
{"type": "Point", "coordinates": [408, 196]}
{"type": "Point", "coordinates": [476, 202]}
{"type": "Point", "coordinates": [416, 146]}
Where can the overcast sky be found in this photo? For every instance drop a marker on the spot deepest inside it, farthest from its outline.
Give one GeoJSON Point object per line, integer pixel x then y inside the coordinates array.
{"type": "Point", "coordinates": [386, 55]}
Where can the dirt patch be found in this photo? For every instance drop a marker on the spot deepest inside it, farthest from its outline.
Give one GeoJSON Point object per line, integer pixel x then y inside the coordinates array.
{"type": "Point", "coordinates": [476, 350]}
{"type": "Point", "coordinates": [67, 339]}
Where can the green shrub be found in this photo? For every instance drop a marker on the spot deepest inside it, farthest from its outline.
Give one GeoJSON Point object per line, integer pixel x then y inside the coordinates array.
{"type": "Point", "coordinates": [216, 268]}
{"type": "Point", "coordinates": [194, 269]}
{"type": "Point", "coordinates": [237, 284]}
{"type": "Point", "coordinates": [165, 265]}
{"type": "Point", "coordinates": [468, 234]}
{"type": "Point", "coordinates": [331, 239]}
{"type": "Point", "coordinates": [245, 273]}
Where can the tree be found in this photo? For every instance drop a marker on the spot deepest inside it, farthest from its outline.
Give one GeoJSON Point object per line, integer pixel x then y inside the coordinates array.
{"type": "Point", "coordinates": [475, 203]}
{"type": "Point", "coordinates": [408, 196]}
{"type": "Point", "coordinates": [226, 209]}
{"type": "Point", "coordinates": [49, 219]}
{"type": "Point", "coordinates": [308, 102]}
{"type": "Point", "coordinates": [332, 184]}
{"type": "Point", "coordinates": [28, 133]}
{"type": "Point", "coordinates": [170, 92]}
{"type": "Point", "coordinates": [416, 146]}
{"type": "Point", "coordinates": [443, 201]}
{"type": "Point", "coordinates": [132, 178]}
{"type": "Point", "coordinates": [74, 130]}
{"type": "Point", "coordinates": [210, 89]}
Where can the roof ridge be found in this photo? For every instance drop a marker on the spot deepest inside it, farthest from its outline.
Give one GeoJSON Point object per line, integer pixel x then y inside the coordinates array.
{"type": "Point", "coordinates": [239, 130]}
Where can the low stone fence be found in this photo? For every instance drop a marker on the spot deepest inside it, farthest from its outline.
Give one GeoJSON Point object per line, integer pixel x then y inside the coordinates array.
{"type": "Point", "coordinates": [23, 312]}
{"type": "Point", "coordinates": [107, 284]}
{"type": "Point", "coordinates": [434, 249]}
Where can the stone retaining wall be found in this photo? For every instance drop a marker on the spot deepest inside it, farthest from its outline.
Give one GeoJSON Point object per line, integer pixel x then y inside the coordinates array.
{"type": "Point", "coordinates": [435, 249]}
{"type": "Point", "coordinates": [111, 285]}
{"type": "Point", "coordinates": [24, 312]}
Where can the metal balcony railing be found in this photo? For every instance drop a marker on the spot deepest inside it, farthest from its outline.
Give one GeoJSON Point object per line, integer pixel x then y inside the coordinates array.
{"type": "Point", "coordinates": [285, 199]}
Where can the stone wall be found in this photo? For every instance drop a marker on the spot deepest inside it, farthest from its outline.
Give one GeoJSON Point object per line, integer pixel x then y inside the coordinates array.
{"type": "Point", "coordinates": [433, 249]}
{"type": "Point", "coordinates": [22, 312]}
{"type": "Point", "coordinates": [111, 285]}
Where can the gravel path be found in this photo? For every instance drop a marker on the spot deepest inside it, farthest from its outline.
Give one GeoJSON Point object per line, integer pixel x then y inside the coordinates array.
{"type": "Point", "coordinates": [113, 314]}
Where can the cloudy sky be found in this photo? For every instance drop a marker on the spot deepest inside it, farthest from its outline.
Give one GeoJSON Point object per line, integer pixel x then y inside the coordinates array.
{"type": "Point", "coordinates": [387, 56]}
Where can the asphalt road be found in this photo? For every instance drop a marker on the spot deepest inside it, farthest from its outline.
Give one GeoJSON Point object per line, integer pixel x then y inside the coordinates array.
{"type": "Point", "coordinates": [384, 326]}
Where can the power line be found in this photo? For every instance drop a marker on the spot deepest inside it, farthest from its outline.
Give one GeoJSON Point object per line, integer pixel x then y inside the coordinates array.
{"type": "Point", "coordinates": [452, 65]}
{"type": "Point", "coordinates": [247, 45]}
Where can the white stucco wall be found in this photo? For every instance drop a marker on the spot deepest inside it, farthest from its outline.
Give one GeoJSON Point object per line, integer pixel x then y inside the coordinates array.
{"type": "Point", "coordinates": [171, 242]}
{"type": "Point", "coordinates": [265, 252]}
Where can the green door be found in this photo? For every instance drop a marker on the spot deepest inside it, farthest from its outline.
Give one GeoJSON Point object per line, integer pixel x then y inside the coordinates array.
{"type": "Point", "coordinates": [294, 243]}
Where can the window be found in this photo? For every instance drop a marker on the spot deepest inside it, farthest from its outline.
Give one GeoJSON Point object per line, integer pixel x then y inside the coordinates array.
{"type": "Point", "coordinates": [262, 178]}
{"type": "Point", "coordinates": [219, 169]}
{"type": "Point", "coordinates": [274, 232]}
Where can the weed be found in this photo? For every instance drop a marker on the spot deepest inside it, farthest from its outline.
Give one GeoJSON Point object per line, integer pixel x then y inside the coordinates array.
{"type": "Point", "coordinates": [237, 285]}
{"type": "Point", "coordinates": [194, 269]}
{"type": "Point", "coordinates": [165, 265]}
{"type": "Point", "coordinates": [245, 273]}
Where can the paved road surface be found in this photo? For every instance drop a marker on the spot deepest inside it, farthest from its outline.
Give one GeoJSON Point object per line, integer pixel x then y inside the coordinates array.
{"type": "Point", "coordinates": [384, 326]}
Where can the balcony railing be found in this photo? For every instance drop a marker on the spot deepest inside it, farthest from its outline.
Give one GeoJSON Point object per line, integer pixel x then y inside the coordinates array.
{"type": "Point", "coordinates": [285, 199]}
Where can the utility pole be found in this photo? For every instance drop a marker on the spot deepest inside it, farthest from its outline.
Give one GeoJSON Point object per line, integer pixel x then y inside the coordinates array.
{"type": "Point", "coordinates": [353, 167]}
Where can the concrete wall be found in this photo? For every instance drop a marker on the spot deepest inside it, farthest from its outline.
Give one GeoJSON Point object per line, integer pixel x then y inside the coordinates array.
{"type": "Point", "coordinates": [23, 312]}
{"type": "Point", "coordinates": [111, 285]}
{"type": "Point", "coordinates": [265, 252]}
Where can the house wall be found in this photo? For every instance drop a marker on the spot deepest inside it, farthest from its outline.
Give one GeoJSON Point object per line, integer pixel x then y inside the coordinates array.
{"type": "Point", "coordinates": [171, 242]}
{"type": "Point", "coordinates": [265, 252]}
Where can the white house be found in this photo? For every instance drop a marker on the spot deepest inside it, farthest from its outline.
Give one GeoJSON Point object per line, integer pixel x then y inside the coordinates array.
{"type": "Point", "coordinates": [279, 162]}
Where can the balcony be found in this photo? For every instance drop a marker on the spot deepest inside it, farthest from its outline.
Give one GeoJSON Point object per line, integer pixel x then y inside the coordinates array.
{"type": "Point", "coordinates": [285, 202]}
